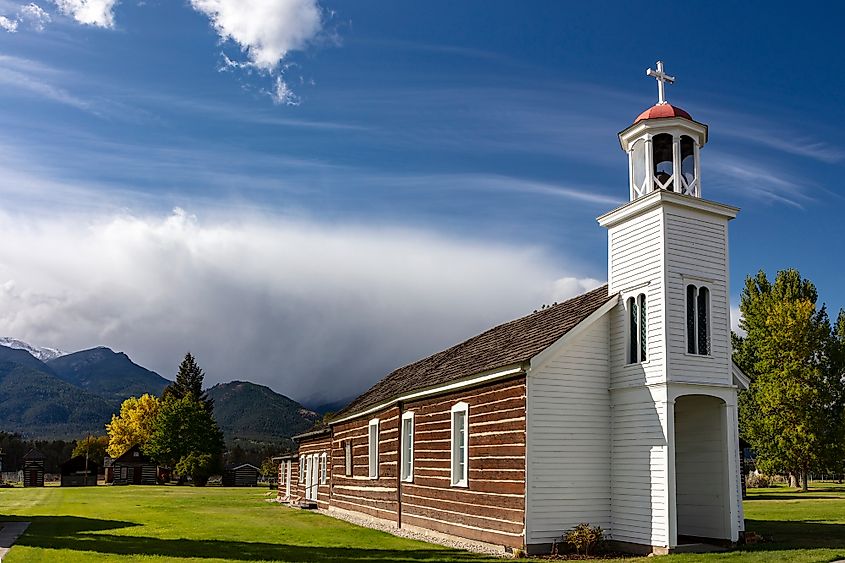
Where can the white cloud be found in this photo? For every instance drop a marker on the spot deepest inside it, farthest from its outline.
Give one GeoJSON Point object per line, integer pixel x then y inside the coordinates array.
{"type": "Point", "coordinates": [736, 315]}
{"type": "Point", "coordinates": [266, 30]}
{"type": "Point", "coordinates": [8, 25]}
{"type": "Point", "coordinates": [99, 13]}
{"type": "Point", "coordinates": [316, 311]}
{"type": "Point", "coordinates": [35, 16]}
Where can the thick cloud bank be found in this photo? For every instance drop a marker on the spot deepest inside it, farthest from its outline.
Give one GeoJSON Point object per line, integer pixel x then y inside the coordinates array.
{"type": "Point", "coordinates": [317, 312]}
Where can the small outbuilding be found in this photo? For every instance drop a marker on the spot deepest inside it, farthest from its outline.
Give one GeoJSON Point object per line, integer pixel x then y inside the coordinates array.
{"type": "Point", "coordinates": [134, 468]}
{"type": "Point", "coordinates": [243, 475]}
{"type": "Point", "coordinates": [33, 469]}
{"type": "Point", "coordinates": [79, 471]}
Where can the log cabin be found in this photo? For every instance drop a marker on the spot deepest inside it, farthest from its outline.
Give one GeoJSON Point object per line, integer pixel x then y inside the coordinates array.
{"type": "Point", "coordinates": [133, 468]}
{"type": "Point", "coordinates": [617, 407]}
{"type": "Point", "coordinates": [33, 469]}
{"type": "Point", "coordinates": [240, 475]}
{"type": "Point", "coordinates": [79, 471]}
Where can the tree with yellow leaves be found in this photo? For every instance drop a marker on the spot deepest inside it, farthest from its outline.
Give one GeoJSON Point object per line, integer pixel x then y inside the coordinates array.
{"type": "Point", "coordinates": [133, 425]}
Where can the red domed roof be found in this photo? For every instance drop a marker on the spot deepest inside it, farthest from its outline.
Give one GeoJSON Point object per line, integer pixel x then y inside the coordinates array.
{"type": "Point", "coordinates": [662, 110]}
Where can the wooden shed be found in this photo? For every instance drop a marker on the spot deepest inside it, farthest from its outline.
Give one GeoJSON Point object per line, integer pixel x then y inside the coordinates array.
{"type": "Point", "coordinates": [79, 471]}
{"type": "Point", "coordinates": [33, 469]}
{"type": "Point", "coordinates": [243, 475]}
{"type": "Point", "coordinates": [134, 468]}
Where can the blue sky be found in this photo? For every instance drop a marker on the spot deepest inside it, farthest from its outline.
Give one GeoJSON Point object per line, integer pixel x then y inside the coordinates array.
{"type": "Point", "coordinates": [454, 142]}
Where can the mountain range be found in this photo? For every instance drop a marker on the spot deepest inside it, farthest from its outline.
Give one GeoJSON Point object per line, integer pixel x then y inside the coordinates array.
{"type": "Point", "coordinates": [50, 394]}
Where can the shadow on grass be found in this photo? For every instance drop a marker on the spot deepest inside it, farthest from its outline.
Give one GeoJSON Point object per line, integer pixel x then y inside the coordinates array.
{"type": "Point", "coordinates": [83, 534]}
{"type": "Point", "coordinates": [797, 535]}
{"type": "Point", "coordinates": [795, 496]}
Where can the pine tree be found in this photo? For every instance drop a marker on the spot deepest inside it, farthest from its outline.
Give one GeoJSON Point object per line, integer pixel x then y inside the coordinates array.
{"type": "Point", "coordinates": [189, 380]}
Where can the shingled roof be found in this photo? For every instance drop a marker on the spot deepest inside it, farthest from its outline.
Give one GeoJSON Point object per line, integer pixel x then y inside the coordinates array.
{"type": "Point", "coordinates": [507, 344]}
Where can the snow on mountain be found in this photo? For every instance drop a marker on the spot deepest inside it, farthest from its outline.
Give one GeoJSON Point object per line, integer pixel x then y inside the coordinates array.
{"type": "Point", "coordinates": [43, 354]}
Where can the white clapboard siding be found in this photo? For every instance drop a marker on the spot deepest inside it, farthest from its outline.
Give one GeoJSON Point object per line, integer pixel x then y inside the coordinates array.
{"type": "Point", "coordinates": [568, 478]}
{"type": "Point", "coordinates": [635, 262]}
{"type": "Point", "coordinates": [696, 252]}
{"type": "Point", "coordinates": [639, 468]}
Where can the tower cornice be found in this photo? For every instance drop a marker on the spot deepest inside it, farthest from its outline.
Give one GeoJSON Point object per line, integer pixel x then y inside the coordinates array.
{"type": "Point", "coordinates": [659, 198]}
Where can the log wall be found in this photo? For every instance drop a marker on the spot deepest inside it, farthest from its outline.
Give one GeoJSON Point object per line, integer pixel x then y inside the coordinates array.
{"type": "Point", "coordinates": [491, 508]}
{"type": "Point", "coordinates": [377, 498]}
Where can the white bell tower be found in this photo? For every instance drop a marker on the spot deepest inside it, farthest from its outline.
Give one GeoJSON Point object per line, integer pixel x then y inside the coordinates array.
{"type": "Point", "coordinates": [674, 421]}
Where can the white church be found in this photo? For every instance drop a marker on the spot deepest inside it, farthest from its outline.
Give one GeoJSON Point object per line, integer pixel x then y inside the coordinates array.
{"type": "Point", "coordinates": [617, 407]}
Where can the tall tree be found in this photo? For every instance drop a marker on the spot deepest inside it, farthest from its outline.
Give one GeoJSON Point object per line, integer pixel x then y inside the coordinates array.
{"type": "Point", "coordinates": [133, 425]}
{"type": "Point", "coordinates": [189, 380]}
{"type": "Point", "coordinates": [792, 412]}
{"type": "Point", "coordinates": [185, 435]}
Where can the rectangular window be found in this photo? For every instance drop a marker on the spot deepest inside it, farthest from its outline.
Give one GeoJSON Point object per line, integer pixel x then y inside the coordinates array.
{"type": "Point", "coordinates": [323, 468]}
{"type": "Point", "coordinates": [373, 448]}
{"type": "Point", "coordinates": [698, 320]}
{"type": "Point", "coordinates": [408, 446]}
{"type": "Point", "coordinates": [301, 468]}
{"type": "Point", "coordinates": [460, 443]}
{"type": "Point", "coordinates": [347, 449]}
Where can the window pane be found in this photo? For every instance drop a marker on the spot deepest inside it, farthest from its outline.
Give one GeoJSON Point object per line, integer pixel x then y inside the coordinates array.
{"type": "Point", "coordinates": [703, 321]}
{"type": "Point", "coordinates": [691, 337]}
{"type": "Point", "coordinates": [460, 446]}
{"type": "Point", "coordinates": [348, 458]}
{"type": "Point", "coordinates": [407, 454]}
{"type": "Point", "coordinates": [632, 331]}
{"type": "Point", "coordinates": [642, 329]}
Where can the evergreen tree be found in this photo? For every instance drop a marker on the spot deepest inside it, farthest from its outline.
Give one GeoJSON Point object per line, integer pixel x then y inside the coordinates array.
{"type": "Point", "coordinates": [792, 412]}
{"type": "Point", "coordinates": [189, 380]}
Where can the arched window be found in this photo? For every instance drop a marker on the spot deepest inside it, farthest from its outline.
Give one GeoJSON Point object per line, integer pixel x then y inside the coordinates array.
{"type": "Point", "coordinates": [662, 158]}
{"type": "Point", "coordinates": [688, 184]}
{"type": "Point", "coordinates": [637, 329]}
{"type": "Point", "coordinates": [698, 320]}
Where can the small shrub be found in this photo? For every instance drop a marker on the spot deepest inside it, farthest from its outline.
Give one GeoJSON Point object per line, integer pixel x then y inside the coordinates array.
{"type": "Point", "coordinates": [758, 481]}
{"type": "Point", "coordinates": [583, 538]}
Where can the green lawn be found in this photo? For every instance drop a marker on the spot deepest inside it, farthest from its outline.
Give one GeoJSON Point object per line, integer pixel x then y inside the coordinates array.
{"type": "Point", "coordinates": [231, 525]}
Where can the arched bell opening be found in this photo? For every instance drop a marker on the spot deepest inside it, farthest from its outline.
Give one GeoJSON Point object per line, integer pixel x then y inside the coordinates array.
{"type": "Point", "coordinates": [664, 174]}
{"type": "Point", "coordinates": [689, 181]}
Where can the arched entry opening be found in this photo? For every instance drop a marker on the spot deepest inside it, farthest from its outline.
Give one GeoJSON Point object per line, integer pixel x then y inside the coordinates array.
{"type": "Point", "coordinates": [702, 484]}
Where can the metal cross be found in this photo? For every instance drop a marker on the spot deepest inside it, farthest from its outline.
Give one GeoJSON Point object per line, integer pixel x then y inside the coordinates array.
{"type": "Point", "coordinates": [661, 78]}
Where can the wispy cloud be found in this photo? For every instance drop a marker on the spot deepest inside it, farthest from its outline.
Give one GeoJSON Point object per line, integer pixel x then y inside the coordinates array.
{"type": "Point", "coordinates": [763, 181]}
{"type": "Point", "coordinates": [35, 78]}
{"type": "Point", "coordinates": [786, 141]}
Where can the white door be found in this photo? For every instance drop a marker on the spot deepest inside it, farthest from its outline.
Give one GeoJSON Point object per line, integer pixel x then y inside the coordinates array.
{"type": "Point", "coordinates": [288, 468]}
{"type": "Point", "coordinates": [315, 475]}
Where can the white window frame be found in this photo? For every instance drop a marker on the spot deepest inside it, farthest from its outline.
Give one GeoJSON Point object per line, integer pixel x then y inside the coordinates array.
{"type": "Point", "coordinates": [301, 465]}
{"type": "Point", "coordinates": [407, 448]}
{"type": "Point", "coordinates": [372, 448]}
{"type": "Point", "coordinates": [461, 480]}
{"type": "Point", "coordinates": [323, 468]}
{"type": "Point", "coordinates": [698, 287]}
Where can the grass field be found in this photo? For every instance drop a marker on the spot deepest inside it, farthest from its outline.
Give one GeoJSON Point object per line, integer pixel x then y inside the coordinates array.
{"type": "Point", "coordinates": [214, 525]}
